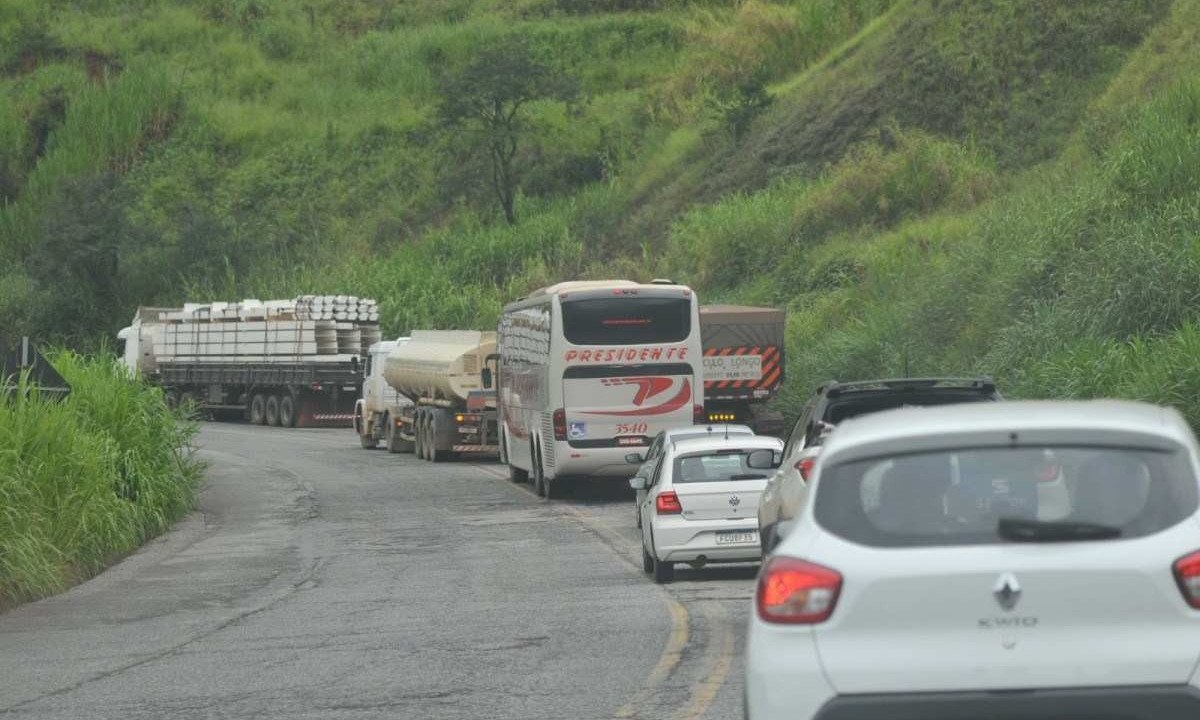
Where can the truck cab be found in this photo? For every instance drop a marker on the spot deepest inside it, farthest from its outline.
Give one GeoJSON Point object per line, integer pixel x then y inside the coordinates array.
{"type": "Point", "coordinates": [381, 406]}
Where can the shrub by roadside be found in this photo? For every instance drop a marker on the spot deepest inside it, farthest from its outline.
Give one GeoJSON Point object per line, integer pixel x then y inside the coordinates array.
{"type": "Point", "coordinates": [88, 479]}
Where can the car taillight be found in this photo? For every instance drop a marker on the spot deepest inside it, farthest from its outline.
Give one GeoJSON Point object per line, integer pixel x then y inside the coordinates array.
{"type": "Point", "coordinates": [1187, 574]}
{"type": "Point", "coordinates": [698, 415]}
{"type": "Point", "coordinates": [560, 424]}
{"type": "Point", "coordinates": [667, 503]}
{"type": "Point", "coordinates": [805, 466]}
{"type": "Point", "coordinates": [796, 592]}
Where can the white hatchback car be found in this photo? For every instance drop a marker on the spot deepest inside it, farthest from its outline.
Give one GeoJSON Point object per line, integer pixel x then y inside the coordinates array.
{"type": "Point", "coordinates": [663, 439]}
{"type": "Point", "coordinates": [701, 501]}
{"type": "Point", "coordinates": [931, 577]}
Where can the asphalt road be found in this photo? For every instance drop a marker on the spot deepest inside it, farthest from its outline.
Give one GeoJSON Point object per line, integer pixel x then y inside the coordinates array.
{"type": "Point", "coordinates": [320, 580]}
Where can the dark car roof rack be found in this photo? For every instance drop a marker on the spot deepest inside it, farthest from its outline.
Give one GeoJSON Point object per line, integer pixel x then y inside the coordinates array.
{"type": "Point", "coordinates": [978, 384]}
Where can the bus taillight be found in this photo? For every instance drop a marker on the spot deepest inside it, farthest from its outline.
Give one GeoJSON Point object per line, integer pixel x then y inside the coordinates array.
{"type": "Point", "coordinates": [698, 414]}
{"type": "Point", "coordinates": [560, 424]}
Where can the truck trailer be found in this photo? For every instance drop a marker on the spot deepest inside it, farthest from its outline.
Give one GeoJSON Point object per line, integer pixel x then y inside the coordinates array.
{"type": "Point", "coordinates": [448, 377]}
{"type": "Point", "coordinates": [743, 365]}
{"type": "Point", "coordinates": [287, 363]}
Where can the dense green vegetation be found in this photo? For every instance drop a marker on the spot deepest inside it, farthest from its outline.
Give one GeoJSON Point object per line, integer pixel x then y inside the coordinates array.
{"type": "Point", "coordinates": [1001, 186]}
{"type": "Point", "coordinates": [88, 479]}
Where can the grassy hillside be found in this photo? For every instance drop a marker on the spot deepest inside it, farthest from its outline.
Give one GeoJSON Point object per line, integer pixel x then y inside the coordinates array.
{"type": "Point", "coordinates": [1003, 186]}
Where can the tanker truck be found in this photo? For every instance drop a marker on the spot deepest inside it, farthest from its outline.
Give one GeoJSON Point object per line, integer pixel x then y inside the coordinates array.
{"type": "Point", "coordinates": [743, 365]}
{"type": "Point", "coordinates": [448, 375]}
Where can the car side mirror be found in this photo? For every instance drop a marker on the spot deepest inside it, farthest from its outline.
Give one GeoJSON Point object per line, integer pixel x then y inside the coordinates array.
{"type": "Point", "coordinates": [637, 482]}
{"type": "Point", "coordinates": [764, 459]}
{"type": "Point", "coordinates": [485, 375]}
{"type": "Point", "coordinates": [635, 458]}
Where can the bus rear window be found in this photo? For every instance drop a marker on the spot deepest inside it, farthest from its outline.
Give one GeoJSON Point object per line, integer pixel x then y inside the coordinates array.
{"type": "Point", "coordinates": [626, 321]}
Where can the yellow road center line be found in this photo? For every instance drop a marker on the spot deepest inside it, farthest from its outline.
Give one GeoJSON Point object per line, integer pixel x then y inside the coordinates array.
{"type": "Point", "coordinates": [671, 655]}
{"type": "Point", "coordinates": [720, 653]}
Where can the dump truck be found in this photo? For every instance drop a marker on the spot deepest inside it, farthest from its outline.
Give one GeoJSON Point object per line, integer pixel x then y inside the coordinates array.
{"type": "Point", "coordinates": [448, 375]}
{"type": "Point", "coordinates": [287, 363]}
{"type": "Point", "coordinates": [743, 365]}
{"type": "Point", "coordinates": [376, 412]}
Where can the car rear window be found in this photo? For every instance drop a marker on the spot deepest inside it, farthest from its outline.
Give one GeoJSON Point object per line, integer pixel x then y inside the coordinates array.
{"type": "Point", "coordinates": [962, 497]}
{"type": "Point", "coordinates": [715, 467]}
{"type": "Point", "coordinates": [869, 403]}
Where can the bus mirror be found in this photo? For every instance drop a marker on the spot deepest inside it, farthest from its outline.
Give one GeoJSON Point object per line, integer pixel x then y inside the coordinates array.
{"type": "Point", "coordinates": [485, 375]}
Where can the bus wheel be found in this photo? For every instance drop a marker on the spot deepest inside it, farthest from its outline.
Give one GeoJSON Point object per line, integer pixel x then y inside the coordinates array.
{"type": "Point", "coordinates": [557, 488]}
{"type": "Point", "coordinates": [539, 476]}
{"type": "Point", "coordinates": [515, 474]}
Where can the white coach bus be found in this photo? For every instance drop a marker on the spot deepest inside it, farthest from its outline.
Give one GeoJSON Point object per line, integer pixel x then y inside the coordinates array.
{"type": "Point", "coordinates": [589, 372]}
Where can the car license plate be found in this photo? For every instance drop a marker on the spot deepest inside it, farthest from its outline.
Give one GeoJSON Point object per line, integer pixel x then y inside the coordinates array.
{"type": "Point", "coordinates": [736, 537]}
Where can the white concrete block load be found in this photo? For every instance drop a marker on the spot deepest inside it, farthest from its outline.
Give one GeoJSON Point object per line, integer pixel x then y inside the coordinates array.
{"type": "Point", "coordinates": [279, 362]}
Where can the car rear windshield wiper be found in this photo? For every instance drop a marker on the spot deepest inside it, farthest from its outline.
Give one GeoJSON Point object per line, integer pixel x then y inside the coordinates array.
{"type": "Point", "coordinates": [1022, 530]}
{"type": "Point", "coordinates": [748, 476]}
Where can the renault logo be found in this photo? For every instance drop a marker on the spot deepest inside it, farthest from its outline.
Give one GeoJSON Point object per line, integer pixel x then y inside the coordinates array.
{"type": "Point", "coordinates": [734, 501]}
{"type": "Point", "coordinates": [1007, 591]}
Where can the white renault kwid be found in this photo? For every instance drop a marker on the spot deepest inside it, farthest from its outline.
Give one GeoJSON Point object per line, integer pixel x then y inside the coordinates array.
{"type": "Point", "coordinates": [931, 576]}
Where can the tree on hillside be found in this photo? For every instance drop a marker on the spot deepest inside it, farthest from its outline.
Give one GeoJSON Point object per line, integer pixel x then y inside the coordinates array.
{"type": "Point", "coordinates": [486, 101]}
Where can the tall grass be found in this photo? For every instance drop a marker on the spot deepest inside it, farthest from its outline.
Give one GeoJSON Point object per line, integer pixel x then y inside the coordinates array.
{"type": "Point", "coordinates": [87, 479]}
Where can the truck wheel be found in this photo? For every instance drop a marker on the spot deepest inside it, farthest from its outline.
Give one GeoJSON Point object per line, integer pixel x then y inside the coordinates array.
{"type": "Point", "coordinates": [272, 411]}
{"type": "Point", "coordinates": [258, 409]}
{"type": "Point", "coordinates": [436, 455]}
{"type": "Point", "coordinates": [187, 400]}
{"type": "Point", "coordinates": [367, 441]}
{"type": "Point", "coordinates": [436, 423]}
{"type": "Point", "coordinates": [395, 443]}
{"type": "Point", "coordinates": [287, 411]}
{"type": "Point", "coordinates": [422, 436]}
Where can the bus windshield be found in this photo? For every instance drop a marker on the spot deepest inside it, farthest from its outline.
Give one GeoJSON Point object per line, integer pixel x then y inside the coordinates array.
{"type": "Point", "coordinates": [626, 320]}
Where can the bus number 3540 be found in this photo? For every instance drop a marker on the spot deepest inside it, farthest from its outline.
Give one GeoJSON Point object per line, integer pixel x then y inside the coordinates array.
{"type": "Point", "coordinates": [632, 428]}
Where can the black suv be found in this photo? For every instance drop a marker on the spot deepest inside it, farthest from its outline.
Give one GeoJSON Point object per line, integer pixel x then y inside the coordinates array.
{"type": "Point", "coordinates": [834, 402]}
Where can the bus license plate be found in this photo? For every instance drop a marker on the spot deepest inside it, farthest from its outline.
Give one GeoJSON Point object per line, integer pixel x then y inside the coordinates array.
{"type": "Point", "coordinates": [736, 537]}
